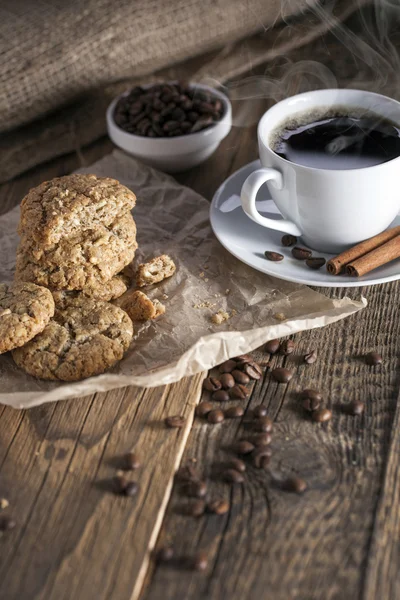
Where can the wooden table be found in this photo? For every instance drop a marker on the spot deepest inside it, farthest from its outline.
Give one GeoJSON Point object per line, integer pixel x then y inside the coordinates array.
{"type": "Point", "coordinates": [75, 540]}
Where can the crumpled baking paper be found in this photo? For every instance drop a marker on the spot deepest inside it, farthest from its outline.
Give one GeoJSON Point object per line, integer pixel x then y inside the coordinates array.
{"type": "Point", "coordinates": [173, 219]}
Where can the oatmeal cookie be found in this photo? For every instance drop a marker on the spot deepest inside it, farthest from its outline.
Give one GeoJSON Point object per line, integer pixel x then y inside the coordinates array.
{"type": "Point", "coordinates": [66, 205]}
{"type": "Point", "coordinates": [88, 260]}
{"type": "Point", "coordinates": [110, 290]}
{"type": "Point", "coordinates": [155, 270]}
{"type": "Point", "coordinates": [139, 306]}
{"type": "Point", "coordinates": [25, 310]}
{"type": "Point", "coordinates": [86, 337]}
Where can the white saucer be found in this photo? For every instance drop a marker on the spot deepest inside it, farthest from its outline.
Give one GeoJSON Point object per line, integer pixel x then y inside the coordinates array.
{"type": "Point", "coordinates": [248, 241]}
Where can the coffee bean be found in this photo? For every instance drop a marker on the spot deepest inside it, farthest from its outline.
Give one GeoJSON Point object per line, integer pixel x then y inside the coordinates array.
{"type": "Point", "coordinates": [199, 562]}
{"type": "Point", "coordinates": [272, 346]}
{"type": "Point", "coordinates": [267, 438]}
{"type": "Point", "coordinates": [220, 396]}
{"type": "Point", "coordinates": [195, 509]}
{"type": "Point", "coordinates": [263, 424]}
{"type": "Point", "coordinates": [261, 458]}
{"type": "Point", "coordinates": [211, 384]}
{"type": "Point", "coordinates": [165, 554]}
{"type": "Point", "coordinates": [311, 404]}
{"type": "Point", "coordinates": [282, 375]}
{"type": "Point", "coordinates": [287, 347]}
{"type": "Point", "coordinates": [131, 461]}
{"type": "Point", "coordinates": [310, 357]}
{"type": "Point", "coordinates": [203, 409]}
{"type": "Point", "coordinates": [177, 421]}
{"type": "Point", "coordinates": [187, 473]}
{"type": "Point", "coordinates": [311, 394]}
{"type": "Point", "coordinates": [227, 381]}
{"type": "Point", "coordinates": [373, 359]}
{"type": "Point", "coordinates": [234, 412]}
{"type": "Point", "coordinates": [238, 392]}
{"type": "Point", "coordinates": [253, 370]}
{"type": "Point", "coordinates": [321, 415]}
{"type": "Point", "coordinates": [131, 488]}
{"type": "Point", "coordinates": [262, 439]}
{"type": "Point", "coordinates": [195, 488]}
{"type": "Point", "coordinates": [232, 476]}
{"type": "Point", "coordinates": [218, 506]}
{"type": "Point", "coordinates": [315, 263]}
{"type": "Point", "coordinates": [7, 523]}
{"type": "Point", "coordinates": [274, 256]}
{"type": "Point", "coordinates": [120, 483]}
{"type": "Point", "coordinates": [243, 359]}
{"type": "Point", "coordinates": [294, 484]}
{"type": "Point", "coordinates": [355, 408]}
{"type": "Point", "coordinates": [289, 240]}
{"type": "Point", "coordinates": [228, 366]}
{"type": "Point", "coordinates": [243, 447]}
{"type": "Point", "coordinates": [201, 123]}
{"type": "Point", "coordinates": [301, 253]}
{"type": "Point", "coordinates": [215, 416]}
{"type": "Point", "coordinates": [236, 464]}
{"type": "Point", "coordinates": [260, 411]}
{"type": "Point", "coordinates": [240, 377]}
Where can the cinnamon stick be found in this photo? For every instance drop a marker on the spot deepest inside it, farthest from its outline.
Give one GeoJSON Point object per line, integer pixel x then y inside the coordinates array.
{"type": "Point", "coordinates": [372, 260]}
{"type": "Point", "coordinates": [337, 264]}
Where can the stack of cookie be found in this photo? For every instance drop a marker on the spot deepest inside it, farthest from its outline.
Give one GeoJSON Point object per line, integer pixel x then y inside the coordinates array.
{"type": "Point", "coordinates": [77, 234]}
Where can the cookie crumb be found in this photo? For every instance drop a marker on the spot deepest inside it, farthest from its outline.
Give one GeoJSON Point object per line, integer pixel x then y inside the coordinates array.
{"type": "Point", "coordinates": [155, 270]}
{"type": "Point", "coordinates": [279, 317]}
{"type": "Point", "coordinates": [140, 307]}
{"type": "Point", "coordinates": [220, 317]}
{"type": "Point", "coordinates": [4, 503]}
{"type": "Point", "coordinates": [227, 291]}
{"type": "Point", "coordinates": [201, 274]}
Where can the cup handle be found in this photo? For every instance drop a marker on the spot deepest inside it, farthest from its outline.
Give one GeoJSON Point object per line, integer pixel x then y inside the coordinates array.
{"type": "Point", "coordinates": [248, 198]}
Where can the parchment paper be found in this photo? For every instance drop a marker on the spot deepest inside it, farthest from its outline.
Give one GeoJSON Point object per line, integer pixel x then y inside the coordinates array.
{"type": "Point", "coordinates": [173, 219]}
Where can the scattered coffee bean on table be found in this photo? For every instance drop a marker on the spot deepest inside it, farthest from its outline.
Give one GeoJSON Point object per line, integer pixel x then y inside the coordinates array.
{"type": "Point", "coordinates": [228, 366]}
{"type": "Point", "coordinates": [211, 384]}
{"type": "Point", "coordinates": [175, 421]}
{"type": "Point", "coordinates": [167, 109]}
{"type": "Point", "coordinates": [243, 447]}
{"type": "Point", "coordinates": [243, 358]}
{"type": "Point", "coordinates": [355, 408]}
{"type": "Point", "coordinates": [195, 509]}
{"type": "Point", "coordinates": [274, 256]}
{"type": "Point", "coordinates": [264, 424]}
{"type": "Point", "coordinates": [131, 461]}
{"type": "Point", "coordinates": [260, 411]}
{"type": "Point", "coordinates": [321, 415]}
{"type": "Point", "coordinates": [315, 262]}
{"type": "Point", "coordinates": [282, 375]}
{"type": "Point", "coordinates": [311, 404]}
{"type": "Point", "coordinates": [240, 377]}
{"type": "Point", "coordinates": [227, 381]}
{"type": "Point", "coordinates": [294, 484]}
{"type": "Point", "coordinates": [218, 506]}
{"type": "Point", "coordinates": [301, 253]}
{"type": "Point", "coordinates": [310, 357]}
{"type": "Point", "coordinates": [165, 554]}
{"type": "Point", "coordinates": [253, 370]}
{"type": "Point", "coordinates": [287, 347]}
{"type": "Point", "coordinates": [236, 464]}
{"type": "Point", "coordinates": [232, 476]}
{"type": "Point", "coordinates": [7, 523]}
{"type": "Point", "coordinates": [238, 392]}
{"type": "Point", "coordinates": [221, 396]}
{"type": "Point", "coordinates": [373, 359]}
{"type": "Point", "coordinates": [215, 416]}
{"type": "Point", "coordinates": [234, 412]}
{"type": "Point", "coordinates": [203, 409]}
{"type": "Point", "coordinates": [261, 458]}
{"type": "Point", "coordinates": [119, 484]}
{"type": "Point", "coordinates": [272, 346]}
{"type": "Point", "coordinates": [195, 488]}
{"type": "Point", "coordinates": [288, 240]}
{"type": "Point", "coordinates": [131, 488]}
{"type": "Point", "coordinates": [311, 394]}
{"type": "Point", "coordinates": [262, 439]}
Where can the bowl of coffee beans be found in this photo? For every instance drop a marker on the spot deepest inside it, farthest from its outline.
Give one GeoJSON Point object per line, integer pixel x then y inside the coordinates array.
{"type": "Point", "coordinates": [170, 126]}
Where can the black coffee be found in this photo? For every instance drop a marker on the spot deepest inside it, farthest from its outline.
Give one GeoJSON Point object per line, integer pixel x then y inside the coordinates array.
{"type": "Point", "coordinates": [337, 140]}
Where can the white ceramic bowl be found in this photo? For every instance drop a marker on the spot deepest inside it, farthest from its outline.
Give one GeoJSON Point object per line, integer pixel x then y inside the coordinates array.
{"type": "Point", "coordinates": [173, 154]}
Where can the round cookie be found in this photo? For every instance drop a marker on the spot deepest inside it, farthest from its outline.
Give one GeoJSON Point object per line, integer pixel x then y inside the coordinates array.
{"type": "Point", "coordinates": [85, 338]}
{"type": "Point", "coordinates": [25, 310]}
{"type": "Point", "coordinates": [88, 260]}
{"type": "Point", "coordinates": [66, 205]}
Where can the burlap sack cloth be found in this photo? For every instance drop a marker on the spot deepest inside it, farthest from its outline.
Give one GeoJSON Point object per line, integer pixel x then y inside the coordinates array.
{"type": "Point", "coordinates": [54, 53]}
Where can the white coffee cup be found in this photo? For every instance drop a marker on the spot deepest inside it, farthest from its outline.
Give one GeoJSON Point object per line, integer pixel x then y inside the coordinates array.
{"type": "Point", "coordinates": [330, 209]}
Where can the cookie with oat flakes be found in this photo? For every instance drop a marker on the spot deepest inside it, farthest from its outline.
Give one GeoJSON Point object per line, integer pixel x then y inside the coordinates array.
{"type": "Point", "coordinates": [155, 270]}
